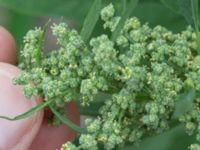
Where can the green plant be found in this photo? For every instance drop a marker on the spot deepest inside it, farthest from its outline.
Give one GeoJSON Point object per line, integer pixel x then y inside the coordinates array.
{"type": "Point", "coordinates": [142, 81]}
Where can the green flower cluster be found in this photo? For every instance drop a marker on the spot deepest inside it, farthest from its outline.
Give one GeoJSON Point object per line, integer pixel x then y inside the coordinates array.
{"type": "Point", "coordinates": [144, 71]}
{"type": "Point", "coordinates": [107, 15]}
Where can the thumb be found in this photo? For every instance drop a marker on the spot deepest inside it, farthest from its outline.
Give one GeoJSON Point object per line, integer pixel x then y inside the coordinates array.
{"type": "Point", "coordinates": [15, 135]}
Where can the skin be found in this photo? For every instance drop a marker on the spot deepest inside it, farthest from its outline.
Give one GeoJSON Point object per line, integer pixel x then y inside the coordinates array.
{"type": "Point", "coordinates": [33, 132]}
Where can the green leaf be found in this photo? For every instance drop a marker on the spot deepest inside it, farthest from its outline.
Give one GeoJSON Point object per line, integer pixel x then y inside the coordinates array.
{"type": "Point", "coordinates": [194, 7]}
{"type": "Point", "coordinates": [71, 9]}
{"type": "Point", "coordinates": [127, 12]}
{"type": "Point", "coordinates": [182, 7]}
{"type": "Point", "coordinates": [91, 20]}
{"type": "Point", "coordinates": [174, 139]}
{"type": "Point", "coordinates": [172, 4]}
{"type": "Point", "coordinates": [93, 108]}
{"type": "Point", "coordinates": [186, 10]}
{"type": "Point", "coordinates": [184, 103]}
{"type": "Point", "coordinates": [29, 112]}
{"type": "Point", "coordinates": [189, 9]}
{"type": "Point", "coordinates": [195, 17]}
{"type": "Point", "coordinates": [168, 19]}
{"type": "Point", "coordinates": [66, 121]}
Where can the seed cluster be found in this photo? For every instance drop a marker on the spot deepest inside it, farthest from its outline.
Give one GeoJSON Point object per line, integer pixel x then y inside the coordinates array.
{"type": "Point", "coordinates": [144, 71]}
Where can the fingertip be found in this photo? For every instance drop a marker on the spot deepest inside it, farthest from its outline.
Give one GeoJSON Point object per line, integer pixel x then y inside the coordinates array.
{"type": "Point", "coordinates": [17, 134]}
{"type": "Point", "coordinates": [7, 47]}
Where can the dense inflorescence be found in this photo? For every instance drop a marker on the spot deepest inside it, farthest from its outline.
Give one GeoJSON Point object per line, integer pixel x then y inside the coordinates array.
{"type": "Point", "coordinates": [144, 71]}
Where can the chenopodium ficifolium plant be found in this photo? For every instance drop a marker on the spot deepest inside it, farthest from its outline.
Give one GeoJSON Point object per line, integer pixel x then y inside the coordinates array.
{"type": "Point", "coordinates": [144, 72]}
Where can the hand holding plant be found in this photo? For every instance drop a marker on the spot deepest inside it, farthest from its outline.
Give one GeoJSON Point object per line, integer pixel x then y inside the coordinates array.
{"type": "Point", "coordinates": [20, 135]}
{"type": "Point", "coordinates": [135, 80]}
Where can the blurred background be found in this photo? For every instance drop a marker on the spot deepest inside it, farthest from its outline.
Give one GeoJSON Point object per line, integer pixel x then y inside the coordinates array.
{"type": "Point", "coordinates": [19, 16]}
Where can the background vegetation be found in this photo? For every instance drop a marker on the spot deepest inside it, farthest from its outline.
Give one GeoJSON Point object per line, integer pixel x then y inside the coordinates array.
{"type": "Point", "coordinates": [18, 16]}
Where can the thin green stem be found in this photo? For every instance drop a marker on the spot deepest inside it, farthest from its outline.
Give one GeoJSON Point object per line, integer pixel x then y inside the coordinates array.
{"type": "Point", "coordinates": [66, 121]}
{"type": "Point", "coordinates": [29, 112]}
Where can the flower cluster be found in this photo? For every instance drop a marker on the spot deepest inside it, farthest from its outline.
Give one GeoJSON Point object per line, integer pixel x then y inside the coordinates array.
{"type": "Point", "coordinates": [144, 71]}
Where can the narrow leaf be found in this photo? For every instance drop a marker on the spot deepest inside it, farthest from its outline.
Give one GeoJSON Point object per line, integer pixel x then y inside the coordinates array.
{"type": "Point", "coordinates": [172, 4]}
{"type": "Point", "coordinates": [182, 7]}
{"type": "Point", "coordinates": [169, 140]}
{"type": "Point", "coordinates": [194, 7]}
{"type": "Point", "coordinates": [168, 19]}
{"type": "Point", "coordinates": [186, 10]}
{"type": "Point", "coordinates": [184, 103]}
{"type": "Point", "coordinates": [91, 20]}
{"type": "Point", "coordinates": [29, 112]}
{"type": "Point", "coordinates": [195, 14]}
{"type": "Point", "coordinates": [125, 15]}
{"type": "Point", "coordinates": [66, 121]}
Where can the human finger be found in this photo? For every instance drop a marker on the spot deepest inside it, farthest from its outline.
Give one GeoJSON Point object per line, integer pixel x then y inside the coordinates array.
{"type": "Point", "coordinates": [7, 47]}
{"type": "Point", "coordinates": [16, 135]}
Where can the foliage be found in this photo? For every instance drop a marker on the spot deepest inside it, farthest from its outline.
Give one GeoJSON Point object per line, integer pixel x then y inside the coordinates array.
{"type": "Point", "coordinates": [58, 8]}
{"type": "Point", "coordinates": [140, 80]}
